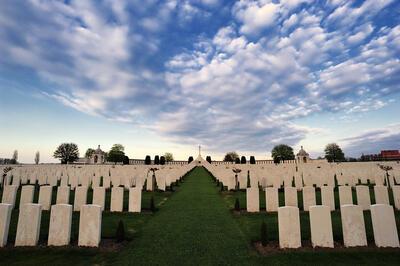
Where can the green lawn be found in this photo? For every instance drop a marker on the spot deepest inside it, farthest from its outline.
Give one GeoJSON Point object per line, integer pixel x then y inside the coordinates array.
{"type": "Point", "coordinates": [195, 225]}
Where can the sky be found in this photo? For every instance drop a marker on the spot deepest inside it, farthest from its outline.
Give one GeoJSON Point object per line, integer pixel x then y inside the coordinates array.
{"type": "Point", "coordinates": [166, 76]}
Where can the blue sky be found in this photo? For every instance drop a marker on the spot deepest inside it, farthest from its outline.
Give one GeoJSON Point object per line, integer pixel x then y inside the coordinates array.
{"type": "Point", "coordinates": [160, 76]}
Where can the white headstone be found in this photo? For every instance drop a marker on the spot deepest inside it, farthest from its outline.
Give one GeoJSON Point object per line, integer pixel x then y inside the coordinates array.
{"type": "Point", "coordinates": [345, 196]}
{"type": "Point", "coordinates": [27, 193]}
{"type": "Point", "coordinates": [9, 195]}
{"type": "Point", "coordinates": [381, 195]}
{"type": "Point", "coordinates": [45, 197]}
{"type": "Point", "coordinates": [253, 199]}
{"type": "Point", "coordinates": [5, 217]}
{"type": "Point", "coordinates": [90, 226]}
{"type": "Point", "coordinates": [28, 227]}
{"type": "Point", "coordinates": [63, 195]}
{"type": "Point", "coordinates": [117, 199]}
{"type": "Point", "coordinates": [396, 196]}
{"type": "Point", "coordinates": [289, 227]}
{"type": "Point", "coordinates": [327, 197]}
{"type": "Point", "coordinates": [308, 197]}
{"type": "Point", "coordinates": [99, 197]}
{"type": "Point", "coordinates": [272, 199]}
{"type": "Point", "coordinates": [135, 199]}
{"type": "Point", "coordinates": [80, 197]}
{"type": "Point", "coordinates": [384, 226]}
{"type": "Point", "coordinates": [60, 225]}
{"type": "Point", "coordinates": [321, 226]}
{"type": "Point", "coordinates": [291, 197]}
{"type": "Point", "coordinates": [353, 226]}
{"type": "Point", "coordinates": [363, 198]}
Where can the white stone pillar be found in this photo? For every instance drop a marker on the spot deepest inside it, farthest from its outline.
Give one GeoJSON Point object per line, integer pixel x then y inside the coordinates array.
{"type": "Point", "coordinates": [291, 197]}
{"type": "Point", "coordinates": [9, 195]}
{"type": "Point", "coordinates": [117, 199]}
{"type": "Point", "coordinates": [80, 197]}
{"type": "Point", "coordinates": [63, 195]}
{"type": "Point", "coordinates": [321, 226]}
{"type": "Point", "coordinates": [99, 197]}
{"type": "Point", "coordinates": [253, 199]}
{"type": "Point", "coordinates": [345, 196]}
{"type": "Point", "coordinates": [363, 198]}
{"type": "Point", "coordinates": [381, 195]}
{"type": "Point", "coordinates": [328, 197]}
{"type": "Point", "coordinates": [28, 227]}
{"type": "Point", "coordinates": [90, 226]}
{"type": "Point", "coordinates": [45, 197]}
{"type": "Point", "coordinates": [384, 226]}
{"type": "Point", "coordinates": [289, 227]}
{"type": "Point", "coordinates": [135, 199]}
{"type": "Point", "coordinates": [308, 197]}
{"type": "Point", "coordinates": [5, 217]}
{"type": "Point", "coordinates": [60, 225]}
{"type": "Point", "coordinates": [272, 199]}
{"type": "Point", "coordinates": [27, 193]}
{"type": "Point", "coordinates": [396, 196]}
{"type": "Point", "coordinates": [353, 226]}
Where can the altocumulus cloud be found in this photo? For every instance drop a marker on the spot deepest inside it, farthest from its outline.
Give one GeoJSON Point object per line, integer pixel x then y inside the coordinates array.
{"type": "Point", "coordinates": [222, 73]}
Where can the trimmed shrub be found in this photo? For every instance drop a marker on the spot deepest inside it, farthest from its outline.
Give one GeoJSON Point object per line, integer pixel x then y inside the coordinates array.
{"type": "Point", "coordinates": [162, 160]}
{"type": "Point", "coordinates": [264, 239]}
{"type": "Point", "coordinates": [237, 205]}
{"type": "Point", "coordinates": [208, 159]}
{"type": "Point", "coordinates": [125, 160]}
{"type": "Point", "coordinates": [190, 159]}
{"type": "Point", "coordinates": [147, 160]}
{"type": "Point", "coordinates": [157, 159]}
{"type": "Point", "coordinates": [120, 233]}
{"type": "Point", "coordinates": [237, 161]}
{"type": "Point", "coordinates": [252, 160]}
{"type": "Point", "coordinates": [243, 160]}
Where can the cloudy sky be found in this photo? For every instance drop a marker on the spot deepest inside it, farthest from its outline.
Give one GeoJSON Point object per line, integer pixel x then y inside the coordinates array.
{"type": "Point", "coordinates": [160, 76]}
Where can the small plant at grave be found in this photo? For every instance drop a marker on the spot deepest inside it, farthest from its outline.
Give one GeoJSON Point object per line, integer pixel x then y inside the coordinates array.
{"type": "Point", "coordinates": [248, 179]}
{"type": "Point", "coordinates": [293, 182]}
{"type": "Point", "coordinates": [120, 233]}
{"type": "Point", "coordinates": [222, 187]}
{"type": "Point", "coordinates": [336, 182]}
{"type": "Point", "coordinates": [101, 181]}
{"type": "Point", "coordinates": [237, 205]}
{"type": "Point", "coordinates": [152, 205]}
{"type": "Point", "coordinates": [264, 239]}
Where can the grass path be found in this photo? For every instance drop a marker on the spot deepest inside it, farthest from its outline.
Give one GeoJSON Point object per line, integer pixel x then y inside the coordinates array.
{"type": "Point", "coordinates": [194, 227]}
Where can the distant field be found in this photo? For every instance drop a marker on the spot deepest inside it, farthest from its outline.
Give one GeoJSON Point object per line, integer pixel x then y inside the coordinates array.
{"type": "Point", "coordinates": [195, 225]}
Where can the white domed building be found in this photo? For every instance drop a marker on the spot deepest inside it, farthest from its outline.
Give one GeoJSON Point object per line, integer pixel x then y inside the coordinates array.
{"type": "Point", "coordinates": [302, 156]}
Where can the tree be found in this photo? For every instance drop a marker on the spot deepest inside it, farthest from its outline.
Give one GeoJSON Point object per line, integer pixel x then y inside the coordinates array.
{"type": "Point", "coordinates": [333, 153]}
{"type": "Point", "coordinates": [157, 159]}
{"type": "Point", "coordinates": [231, 157]}
{"type": "Point", "coordinates": [252, 160]}
{"type": "Point", "coordinates": [243, 160]}
{"type": "Point", "coordinates": [14, 158]}
{"type": "Point", "coordinates": [37, 157]}
{"type": "Point", "coordinates": [67, 153]}
{"type": "Point", "coordinates": [89, 153]}
{"type": "Point", "coordinates": [169, 157]}
{"type": "Point", "coordinates": [282, 152]}
{"type": "Point", "coordinates": [162, 160]}
{"type": "Point", "coordinates": [147, 160]}
{"type": "Point", "coordinates": [208, 159]}
{"type": "Point", "coordinates": [190, 159]}
{"type": "Point", "coordinates": [116, 154]}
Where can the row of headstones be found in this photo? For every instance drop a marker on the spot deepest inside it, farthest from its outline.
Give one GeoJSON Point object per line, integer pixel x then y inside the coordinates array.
{"type": "Point", "coordinates": [63, 195]}
{"type": "Point", "coordinates": [327, 197]}
{"type": "Point", "coordinates": [29, 220]}
{"type": "Point", "coordinates": [353, 226]}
